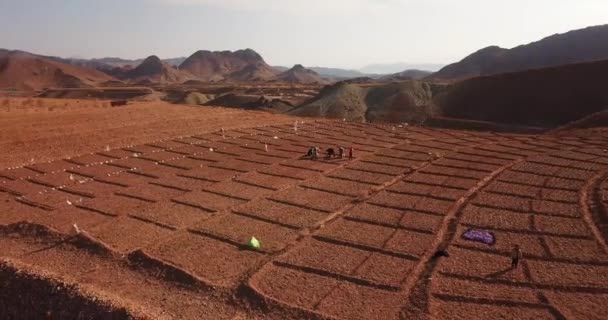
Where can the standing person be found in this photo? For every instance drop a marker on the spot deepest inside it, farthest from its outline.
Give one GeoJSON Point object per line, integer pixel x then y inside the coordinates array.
{"type": "Point", "coordinates": [315, 153]}
{"type": "Point", "coordinates": [340, 152]}
{"type": "Point", "coordinates": [516, 256]}
{"type": "Point", "coordinates": [350, 153]}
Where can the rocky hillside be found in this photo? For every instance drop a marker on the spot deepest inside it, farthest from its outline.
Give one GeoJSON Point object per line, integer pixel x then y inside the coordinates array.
{"type": "Point", "coordinates": [407, 101]}
{"type": "Point", "coordinates": [25, 71]}
{"type": "Point", "coordinates": [152, 69]}
{"type": "Point", "coordinates": [299, 74]}
{"type": "Point", "coordinates": [582, 45]}
{"type": "Point", "coordinates": [224, 65]}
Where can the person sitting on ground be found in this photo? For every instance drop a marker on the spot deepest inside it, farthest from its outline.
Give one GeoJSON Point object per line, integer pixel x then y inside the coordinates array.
{"type": "Point", "coordinates": [315, 153]}
{"type": "Point", "coordinates": [340, 152]}
{"type": "Point", "coordinates": [330, 153]}
{"type": "Point", "coordinates": [309, 153]}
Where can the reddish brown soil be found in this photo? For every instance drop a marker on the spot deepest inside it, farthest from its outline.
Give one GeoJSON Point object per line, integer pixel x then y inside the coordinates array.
{"type": "Point", "coordinates": [166, 222]}
{"type": "Point", "coordinates": [67, 128]}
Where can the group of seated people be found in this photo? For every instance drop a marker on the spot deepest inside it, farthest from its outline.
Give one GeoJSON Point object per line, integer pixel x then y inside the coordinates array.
{"type": "Point", "coordinates": [314, 152]}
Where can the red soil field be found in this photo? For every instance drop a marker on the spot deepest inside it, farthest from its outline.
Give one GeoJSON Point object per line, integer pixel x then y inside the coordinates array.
{"type": "Point", "coordinates": [164, 222]}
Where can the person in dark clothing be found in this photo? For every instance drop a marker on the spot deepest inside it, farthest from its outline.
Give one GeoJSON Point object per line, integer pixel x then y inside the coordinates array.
{"type": "Point", "coordinates": [351, 152]}
{"type": "Point", "coordinates": [330, 153]}
{"type": "Point", "coordinates": [516, 256]}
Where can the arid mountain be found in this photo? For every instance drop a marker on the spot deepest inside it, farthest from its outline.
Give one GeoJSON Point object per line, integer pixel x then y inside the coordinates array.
{"type": "Point", "coordinates": [257, 71]}
{"type": "Point", "coordinates": [542, 98]}
{"type": "Point", "coordinates": [299, 74]}
{"type": "Point", "coordinates": [222, 65]}
{"type": "Point", "coordinates": [407, 101]}
{"type": "Point", "coordinates": [589, 44]}
{"type": "Point", "coordinates": [25, 71]}
{"type": "Point", "coordinates": [411, 74]}
{"type": "Point", "coordinates": [154, 70]}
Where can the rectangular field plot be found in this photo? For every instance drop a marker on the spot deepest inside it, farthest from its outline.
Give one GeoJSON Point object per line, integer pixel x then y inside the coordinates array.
{"type": "Point", "coordinates": [17, 173]}
{"type": "Point", "coordinates": [361, 176]}
{"type": "Point", "coordinates": [239, 229]}
{"type": "Point", "coordinates": [472, 289]}
{"type": "Point", "coordinates": [111, 205]}
{"type": "Point", "coordinates": [21, 188]}
{"type": "Point", "coordinates": [127, 234]}
{"type": "Point", "coordinates": [477, 159]}
{"type": "Point", "coordinates": [207, 201]}
{"type": "Point", "coordinates": [238, 165]}
{"type": "Point", "coordinates": [358, 233]}
{"type": "Point", "coordinates": [454, 172]}
{"type": "Point", "coordinates": [266, 181]}
{"type": "Point", "coordinates": [293, 286]}
{"type": "Point", "coordinates": [280, 213]}
{"type": "Point", "coordinates": [463, 310]}
{"type": "Point", "coordinates": [238, 190]}
{"type": "Point", "coordinates": [466, 165]}
{"type": "Point", "coordinates": [393, 162]}
{"type": "Point", "coordinates": [216, 262]}
{"type": "Point", "coordinates": [410, 220]}
{"type": "Point", "coordinates": [326, 256]}
{"type": "Point", "coordinates": [512, 189]}
{"type": "Point", "coordinates": [563, 226]}
{"type": "Point", "coordinates": [319, 166]}
{"type": "Point", "coordinates": [96, 171]}
{"type": "Point", "coordinates": [590, 306]}
{"type": "Point", "coordinates": [89, 159]}
{"type": "Point", "coordinates": [209, 174]}
{"type": "Point", "coordinates": [523, 178]}
{"type": "Point", "coordinates": [351, 301]}
{"type": "Point", "coordinates": [479, 264]}
{"type": "Point", "coordinates": [313, 199]}
{"type": "Point", "coordinates": [149, 193]}
{"type": "Point", "coordinates": [377, 168]}
{"type": "Point", "coordinates": [341, 187]}
{"type": "Point", "coordinates": [412, 202]}
{"type": "Point", "coordinates": [289, 172]}
{"type": "Point", "coordinates": [426, 190]}
{"type": "Point", "coordinates": [498, 201]}
{"type": "Point", "coordinates": [171, 214]}
{"type": "Point", "coordinates": [555, 273]}
{"type": "Point", "coordinates": [405, 155]}
{"type": "Point", "coordinates": [48, 167]}
{"type": "Point", "coordinates": [495, 218]}
{"type": "Point", "coordinates": [556, 208]}
{"type": "Point", "coordinates": [576, 249]}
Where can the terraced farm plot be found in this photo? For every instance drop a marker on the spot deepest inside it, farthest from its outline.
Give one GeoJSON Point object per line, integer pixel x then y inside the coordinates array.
{"type": "Point", "coordinates": [380, 236]}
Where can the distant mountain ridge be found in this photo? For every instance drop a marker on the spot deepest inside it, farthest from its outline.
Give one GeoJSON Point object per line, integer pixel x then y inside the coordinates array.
{"type": "Point", "coordinates": [299, 74]}
{"type": "Point", "coordinates": [583, 45]}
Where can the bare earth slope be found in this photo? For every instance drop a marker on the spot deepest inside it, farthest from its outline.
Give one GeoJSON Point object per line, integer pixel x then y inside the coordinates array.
{"type": "Point", "coordinates": [164, 225]}
{"type": "Point", "coordinates": [47, 130]}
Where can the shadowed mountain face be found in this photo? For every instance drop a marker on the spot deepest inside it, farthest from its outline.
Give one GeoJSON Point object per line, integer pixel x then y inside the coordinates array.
{"type": "Point", "coordinates": [589, 44]}
{"type": "Point", "coordinates": [543, 97]}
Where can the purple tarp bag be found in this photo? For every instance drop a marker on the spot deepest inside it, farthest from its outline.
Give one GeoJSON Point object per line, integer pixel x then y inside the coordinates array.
{"type": "Point", "coordinates": [482, 236]}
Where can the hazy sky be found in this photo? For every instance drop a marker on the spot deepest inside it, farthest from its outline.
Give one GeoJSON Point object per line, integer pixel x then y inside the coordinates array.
{"type": "Point", "coordinates": [338, 33]}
